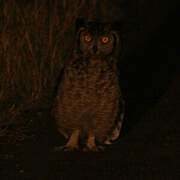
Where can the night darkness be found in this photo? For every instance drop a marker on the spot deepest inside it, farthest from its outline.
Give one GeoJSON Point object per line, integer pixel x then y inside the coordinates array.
{"type": "Point", "coordinates": [36, 38]}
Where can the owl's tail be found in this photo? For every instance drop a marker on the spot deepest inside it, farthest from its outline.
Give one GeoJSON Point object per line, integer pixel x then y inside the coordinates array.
{"type": "Point", "coordinates": [116, 131]}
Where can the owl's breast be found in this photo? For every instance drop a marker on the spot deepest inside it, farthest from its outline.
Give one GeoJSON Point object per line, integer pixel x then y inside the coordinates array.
{"type": "Point", "coordinates": [88, 98]}
{"type": "Point", "coordinates": [92, 81]}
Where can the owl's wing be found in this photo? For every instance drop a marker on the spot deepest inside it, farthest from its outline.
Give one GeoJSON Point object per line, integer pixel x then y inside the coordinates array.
{"type": "Point", "coordinates": [117, 128]}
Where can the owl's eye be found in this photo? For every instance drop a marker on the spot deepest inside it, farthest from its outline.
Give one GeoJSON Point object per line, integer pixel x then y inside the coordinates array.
{"type": "Point", "coordinates": [87, 38]}
{"type": "Point", "coordinates": [105, 39]}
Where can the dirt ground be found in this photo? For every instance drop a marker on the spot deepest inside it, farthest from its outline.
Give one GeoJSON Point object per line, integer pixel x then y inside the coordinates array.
{"type": "Point", "coordinates": [148, 150]}
{"type": "Point", "coordinates": [149, 147]}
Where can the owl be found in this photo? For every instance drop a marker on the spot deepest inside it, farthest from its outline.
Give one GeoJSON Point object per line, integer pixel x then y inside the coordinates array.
{"type": "Point", "coordinates": [89, 108]}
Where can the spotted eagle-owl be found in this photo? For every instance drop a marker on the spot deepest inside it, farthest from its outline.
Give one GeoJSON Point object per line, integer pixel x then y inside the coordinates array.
{"type": "Point", "coordinates": [89, 104]}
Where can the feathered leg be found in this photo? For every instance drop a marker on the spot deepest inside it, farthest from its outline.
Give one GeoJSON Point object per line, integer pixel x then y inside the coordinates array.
{"type": "Point", "coordinates": [72, 143]}
{"type": "Point", "coordinates": [91, 144]}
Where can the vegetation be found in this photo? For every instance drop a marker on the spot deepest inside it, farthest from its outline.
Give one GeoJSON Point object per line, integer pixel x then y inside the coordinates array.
{"type": "Point", "coordinates": [35, 38]}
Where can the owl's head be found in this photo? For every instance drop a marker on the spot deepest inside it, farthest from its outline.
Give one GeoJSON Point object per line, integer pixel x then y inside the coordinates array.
{"type": "Point", "coordinates": [97, 40]}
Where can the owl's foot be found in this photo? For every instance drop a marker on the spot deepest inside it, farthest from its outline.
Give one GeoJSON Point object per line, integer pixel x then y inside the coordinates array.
{"type": "Point", "coordinates": [66, 148]}
{"type": "Point", "coordinates": [94, 149]}
{"type": "Point", "coordinates": [91, 145]}
{"type": "Point", "coordinates": [72, 143]}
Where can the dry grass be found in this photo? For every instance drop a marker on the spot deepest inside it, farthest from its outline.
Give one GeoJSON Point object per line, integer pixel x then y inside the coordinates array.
{"type": "Point", "coordinates": [35, 38]}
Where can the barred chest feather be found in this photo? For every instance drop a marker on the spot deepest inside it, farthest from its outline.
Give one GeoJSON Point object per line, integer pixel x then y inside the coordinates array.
{"type": "Point", "coordinates": [88, 98]}
{"type": "Point", "coordinates": [91, 80]}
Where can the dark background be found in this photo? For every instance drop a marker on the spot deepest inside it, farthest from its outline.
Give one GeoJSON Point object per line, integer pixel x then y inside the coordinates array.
{"type": "Point", "coordinates": [149, 145]}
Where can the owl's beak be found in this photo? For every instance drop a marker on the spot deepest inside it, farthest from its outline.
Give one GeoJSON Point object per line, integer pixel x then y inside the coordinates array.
{"type": "Point", "coordinates": [95, 49]}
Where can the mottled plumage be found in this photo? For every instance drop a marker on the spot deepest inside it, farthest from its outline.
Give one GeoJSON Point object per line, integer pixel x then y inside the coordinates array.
{"type": "Point", "coordinates": [89, 102]}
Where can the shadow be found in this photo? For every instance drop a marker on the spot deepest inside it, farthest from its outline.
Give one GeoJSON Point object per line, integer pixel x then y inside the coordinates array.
{"type": "Point", "coordinates": [146, 74]}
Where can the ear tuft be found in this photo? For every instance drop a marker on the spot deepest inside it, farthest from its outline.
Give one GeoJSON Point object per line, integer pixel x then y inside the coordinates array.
{"type": "Point", "coordinates": [79, 24]}
{"type": "Point", "coordinates": [118, 42]}
{"type": "Point", "coordinates": [116, 36]}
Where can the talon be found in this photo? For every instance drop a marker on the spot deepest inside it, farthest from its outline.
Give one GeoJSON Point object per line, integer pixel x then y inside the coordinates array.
{"type": "Point", "coordinates": [91, 145]}
{"type": "Point", "coordinates": [72, 143]}
{"type": "Point", "coordinates": [59, 148]}
{"type": "Point", "coordinates": [94, 149]}
{"type": "Point", "coordinates": [66, 148]}
{"type": "Point", "coordinates": [70, 149]}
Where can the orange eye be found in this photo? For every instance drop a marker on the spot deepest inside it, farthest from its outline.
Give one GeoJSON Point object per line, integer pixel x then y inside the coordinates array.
{"type": "Point", "coordinates": [105, 39]}
{"type": "Point", "coordinates": [87, 38]}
